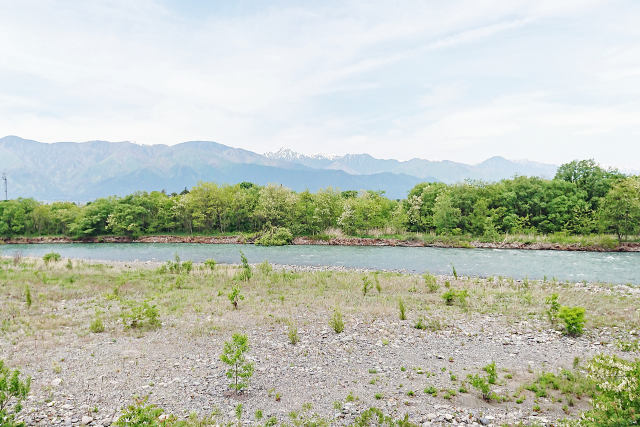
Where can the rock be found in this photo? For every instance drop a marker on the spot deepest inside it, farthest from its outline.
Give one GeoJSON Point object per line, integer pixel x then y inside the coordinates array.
{"type": "Point", "coordinates": [86, 420]}
{"type": "Point", "coordinates": [56, 382]}
{"type": "Point", "coordinates": [67, 407]}
{"type": "Point", "coordinates": [484, 421]}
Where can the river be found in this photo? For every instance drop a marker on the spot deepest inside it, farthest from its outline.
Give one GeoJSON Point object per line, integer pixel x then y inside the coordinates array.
{"type": "Point", "coordinates": [620, 267]}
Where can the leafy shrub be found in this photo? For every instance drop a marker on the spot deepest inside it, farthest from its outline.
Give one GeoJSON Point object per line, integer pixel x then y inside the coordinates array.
{"type": "Point", "coordinates": [553, 307]}
{"type": "Point", "coordinates": [617, 402]}
{"type": "Point", "coordinates": [245, 272]}
{"type": "Point", "coordinates": [210, 264]}
{"type": "Point", "coordinates": [140, 314]}
{"type": "Point", "coordinates": [420, 324]}
{"type": "Point", "coordinates": [235, 296]}
{"type": "Point", "coordinates": [628, 346]}
{"type": "Point", "coordinates": [431, 282]}
{"type": "Point", "coordinates": [177, 267]}
{"type": "Point", "coordinates": [275, 236]}
{"type": "Point", "coordinates": [233, 354]}
{"type": "Point", "coordinates": [492, 374]}
{"type": "Point", "coordinates": [573, 318]}
{"type": "Point", "coordinates": [12, 392]}
{"type": "Point", "coordinates": [336, 322]}
{"type": "Point", "coordinates": [484, 384]}
{"type": "Point", "coordinates": [51, 257]}
{"type": "Point", "coordinates": [402, 309]}
{"type": "Point", "coordinates": [375, 417]}
{"type": "Point", "coordinates": [141, 414]}
{"type": "Point", "coordinates": [452, 296]}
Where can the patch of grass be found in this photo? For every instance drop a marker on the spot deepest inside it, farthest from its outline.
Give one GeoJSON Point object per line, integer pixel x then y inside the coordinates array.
{"type": "Point", "coordinates": [336, 322]}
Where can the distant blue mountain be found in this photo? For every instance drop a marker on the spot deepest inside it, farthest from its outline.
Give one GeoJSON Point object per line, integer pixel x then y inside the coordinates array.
{"type": "Point", "coordinates": [88, 170]}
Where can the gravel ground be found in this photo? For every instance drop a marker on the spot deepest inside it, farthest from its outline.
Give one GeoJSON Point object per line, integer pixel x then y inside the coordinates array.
{"type": "Point", "coordinates": [85, 378]}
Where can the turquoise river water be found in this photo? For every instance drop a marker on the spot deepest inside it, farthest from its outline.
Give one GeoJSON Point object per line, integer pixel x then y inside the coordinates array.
{"type": "Point", "coordinates": [533, 264]}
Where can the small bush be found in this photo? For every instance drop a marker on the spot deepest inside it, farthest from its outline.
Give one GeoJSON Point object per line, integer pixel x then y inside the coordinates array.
{"type": "Point", "coordinates": [492, 374]}
{"type": "Point", "coordinates": [617, 402]}
{"type": "Point", "coordinates": [235, 296]}
{"type": "Point", "coordinates": [245, 272]}
{"type": "Point", "coordinates": [375, 417]}
{"type": "Point", "coordinates": [275, 236]}
{"type": "Point", "coordinates": [13, 391]}
{"type": "Point", "coordinates": [553, 307]}
{"type": "Point", "coordinates": [482, 385]}
{"type": "Point", "coordinates": [176, 266]}
{"type": "Point", "coordinates": [51, 257]}
{"type": "Point", "coordinates": [420, 324]}
{"type": "Point", "coordinates": [210, 264]}
{"type": "Point", "coordinates": [431, 282]}
{"type": "Point", "coordinates": [336, 322]}
{"type": "Point", "coordinates": [452, 296]}
{"type": "Point", "coordinates": [573, 318]}
{"type": "Point", "coordinates": [141, 414]}
{"type": "Point", "coordinates": [402, 309]}
{"type": "Point", "coordinates": [140, 314]}
{"type": "Point", "coordinates": [233, 354]}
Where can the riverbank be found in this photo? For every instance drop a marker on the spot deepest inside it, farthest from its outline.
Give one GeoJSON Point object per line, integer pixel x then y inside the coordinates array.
{"type": "Point", "coordinates": [531, 244]}
{"type": "Point", "coordinates": [417, 365]}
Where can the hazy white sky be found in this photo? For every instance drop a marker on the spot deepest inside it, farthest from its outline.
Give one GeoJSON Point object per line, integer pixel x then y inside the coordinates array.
{"type": "Point", "coordinates": [461, 80]}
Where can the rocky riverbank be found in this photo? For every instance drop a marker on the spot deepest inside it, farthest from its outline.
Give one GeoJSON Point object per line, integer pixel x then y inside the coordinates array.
{"type": "Point", "coordinates": [335, 241]}
{"type": "Point", "coordinates": [418, 366]}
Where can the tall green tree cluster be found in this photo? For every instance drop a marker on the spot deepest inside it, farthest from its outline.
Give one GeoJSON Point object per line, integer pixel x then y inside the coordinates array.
{"type": "Point", "coordinates": [583, 198]}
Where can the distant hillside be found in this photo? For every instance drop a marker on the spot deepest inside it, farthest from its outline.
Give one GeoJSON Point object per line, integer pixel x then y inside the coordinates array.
{"type": "Point", "coordinates": [88, 170]}
{"type": "Point", "coordinates": [493, 169]}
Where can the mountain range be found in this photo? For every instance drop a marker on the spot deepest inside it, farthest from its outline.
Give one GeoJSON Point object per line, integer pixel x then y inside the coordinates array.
{"type": "Point", "coordinates": [88, 170]}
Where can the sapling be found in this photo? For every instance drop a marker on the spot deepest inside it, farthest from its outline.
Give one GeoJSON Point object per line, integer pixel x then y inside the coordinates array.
{"type": "Point", "coordinates": [235, 296]}
{"type": "Point", "coordinates": [245, 272]}
{"type": "Point", "coordinates": [402, 310]}
{"type": "Point", "coordinates": [553, 307]}
{"type": "Point", "coordinates": [366, 285]}
{"type": "Point", "coordinates": [233, 354]}
{"type": "Point", "coordinates": [12, 392]}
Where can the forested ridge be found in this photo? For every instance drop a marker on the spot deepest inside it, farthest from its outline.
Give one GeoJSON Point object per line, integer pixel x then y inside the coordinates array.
{"type": "Point", "coordinates": [582, 199]}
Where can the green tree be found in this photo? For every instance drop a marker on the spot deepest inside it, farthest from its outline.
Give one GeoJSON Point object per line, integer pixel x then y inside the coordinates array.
{"type": "Point", "coordinates": [590, 177]}
{"type": "Point", "coordinates": [445, 216]}
{"type": "Point", "coordinates": [620, 210]}
{"type": "Point", "coordinates": [234, 355]}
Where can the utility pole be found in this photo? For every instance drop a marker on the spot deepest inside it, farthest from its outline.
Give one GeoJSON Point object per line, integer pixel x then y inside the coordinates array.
{"type": "Point", "coordinates": [4, 178]}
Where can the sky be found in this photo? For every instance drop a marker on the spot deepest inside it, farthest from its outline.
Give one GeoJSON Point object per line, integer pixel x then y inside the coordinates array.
{"type": "Point", "coordinates": [548, 81]}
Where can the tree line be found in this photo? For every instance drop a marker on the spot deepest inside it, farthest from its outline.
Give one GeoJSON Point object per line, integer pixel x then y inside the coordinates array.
{"type": "Point", "coordinates": [583, 198]}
